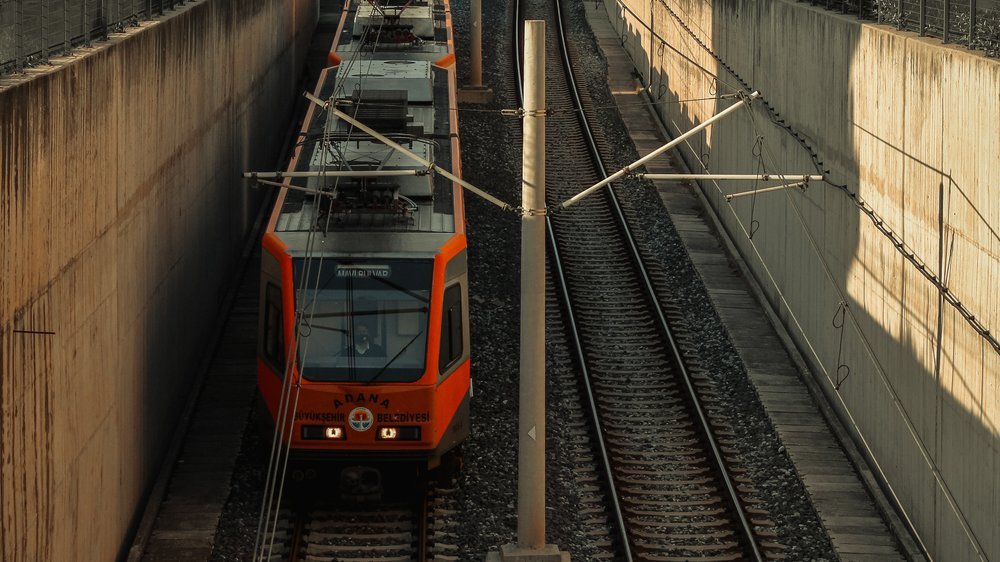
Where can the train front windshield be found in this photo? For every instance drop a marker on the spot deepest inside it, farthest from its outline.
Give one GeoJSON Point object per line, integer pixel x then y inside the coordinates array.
{"type": "Point", "coordinates": [362, 321]}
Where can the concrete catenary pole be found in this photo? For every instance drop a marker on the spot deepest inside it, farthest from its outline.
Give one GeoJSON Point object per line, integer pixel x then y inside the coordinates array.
{"type": "Point", "coordinates": [530, 546]}
{"type": "Point", "coordinates": [476, 92]}
{"type": "Point", "coordinates": [531, 423]}
{"type": "Point", "coordinates": [477, 44]}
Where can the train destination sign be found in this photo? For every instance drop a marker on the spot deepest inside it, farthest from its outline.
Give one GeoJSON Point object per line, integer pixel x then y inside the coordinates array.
{"type": "Point", "coordinates": [379, 271]}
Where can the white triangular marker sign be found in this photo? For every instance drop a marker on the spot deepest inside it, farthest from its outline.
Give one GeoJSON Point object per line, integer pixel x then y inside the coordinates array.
{"type": "Point", "coordinates": [531, 433]}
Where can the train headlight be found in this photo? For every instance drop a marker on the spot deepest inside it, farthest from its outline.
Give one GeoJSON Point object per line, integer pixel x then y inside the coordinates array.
{"type": "Point", "coordinates": [403, 433]}
{"type": "Point", "coordinates": [322, 432]}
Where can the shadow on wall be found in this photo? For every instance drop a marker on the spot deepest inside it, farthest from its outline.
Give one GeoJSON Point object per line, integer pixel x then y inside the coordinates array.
{"type": "Point", "coordinates": [904, 369]}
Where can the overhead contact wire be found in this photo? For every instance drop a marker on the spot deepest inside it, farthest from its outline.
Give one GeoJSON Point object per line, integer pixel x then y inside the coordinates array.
{"type": "Point", "coordinates": [274, 486]}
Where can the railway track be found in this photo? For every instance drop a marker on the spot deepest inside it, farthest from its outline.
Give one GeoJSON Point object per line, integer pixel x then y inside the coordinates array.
{"type": "Point", "coordinates": [669, 466]}
{"type": "Point", "coordinates": [415, 528]}
{"type": "Point", "coordinates": [387, 531]}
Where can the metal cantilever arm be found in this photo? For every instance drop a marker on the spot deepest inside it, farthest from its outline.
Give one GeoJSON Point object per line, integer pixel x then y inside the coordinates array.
{"type": "Point", "coordinates": [628, 169]}
{"type": "Point", "coordinates": [335, 173]}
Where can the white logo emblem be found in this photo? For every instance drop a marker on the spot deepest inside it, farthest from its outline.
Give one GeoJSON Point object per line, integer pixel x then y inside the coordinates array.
{"type": "Point", "coordinates": [360, 419]}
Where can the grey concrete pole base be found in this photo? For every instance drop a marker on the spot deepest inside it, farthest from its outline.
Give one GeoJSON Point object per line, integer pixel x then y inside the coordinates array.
{"type": "Point", "coordinates": [512, 553]}
{"type": "Point", "coordinates": [475, 94]}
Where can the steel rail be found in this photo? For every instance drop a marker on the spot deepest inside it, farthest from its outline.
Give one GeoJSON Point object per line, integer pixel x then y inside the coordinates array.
{"type": "Point", "coordinates": [732, 495]}
{"type": "Point", "coordinates": [422, 528]}
{"type": "Point", "coordinates": [295, 547]}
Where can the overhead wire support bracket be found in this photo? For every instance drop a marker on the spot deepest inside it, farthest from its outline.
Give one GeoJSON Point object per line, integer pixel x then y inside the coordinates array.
{"type": "Point", "coordinates": [798, 180]}
{"type": "Point", "coordinates": [323, 104]}
{"type": "Point", "coordinates": [336, 173]}
{"type": "Point", "coordinates": [316, 192]}
{"type": "Point", "coordinates": [521, 112]}
{"type": "Point", "coordinates": [718, 177]}
{"type": "Point", "coordinates": [627, 170]}
{"type": "Point", "coordinates": [800, 184]}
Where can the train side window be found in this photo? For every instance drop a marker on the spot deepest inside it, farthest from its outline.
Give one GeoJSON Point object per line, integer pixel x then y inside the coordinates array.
{"type": "Point", "coordinates": [274, 336]}
{"type": "Point", "coordinates": [452, 346]}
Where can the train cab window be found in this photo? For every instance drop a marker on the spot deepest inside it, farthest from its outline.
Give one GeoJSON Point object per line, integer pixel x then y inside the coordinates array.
{"type": "Point", "coordinates": [364, 320]}
{"type": "Point", "coordinates": [452, 346]}
{"type": "Point", "coordinates": [274, 336]}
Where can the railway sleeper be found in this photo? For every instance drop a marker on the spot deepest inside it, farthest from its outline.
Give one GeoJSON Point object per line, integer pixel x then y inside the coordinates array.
{"type": "Point", "coordinates": [316, 537]}
{"type": "Point", "coordinates": [360, 557]}
{"type": "Point", "coordinates": [643, 396]}
{"type": "Point", "coordinates": [683, 500]}
{"type": "Point", "coordinates": [338, 525]}
{"type": "Point", "coordinates": [644, 461]}
{"type": "Point", "coordinates": [676, 514]}
{"type": "Point", "coordinates": [381, 516]}
{"type": "Point", "coordinates": [664, 476]}
{"type": "Point", "coordinates": [679, 538]}
{"type": "Point", "coordinates": [610, 385]}
{"type": "Point", "coordinates": [706, 542]}
{"type": "Point", "coordinates": [344, 549]}
{"type": "Point", "coordinates": [629, 408]}
{"type": "Point", "coordinates": [622, 404]}
{"type": "Point", "coordinates": [609, 376]}
{"type": "Point", "coordinates": [710, 524]}
{"type": "Point", "coordinates": [631, 432]}
{"type": "Point", "coordinates": [614, 353]}
{"type": "Point", "coordinates": [645, 436]}
{"type": "Point", "coordinates": [660, 486]}
{"type": "Point", "coordinates": [675, 479]}
{"type": "Point", "coordinates": [659, 390]}
{"type": "Point", "coordinates": [642, 410]}
{"type": "Point", "coordinates": [629, 492]}
{"type": "Point", "coordinates": [717, 558]}
{"type": "Point", "coordinates": [677, 450]}
{"type": "Point", "coordinates": [670, 441]}
{"type": "Point", "coordinates": [644, 455]}
{"type": "Point", "coordinates": [674, 436]}
{"type": "Point", "coordinates": [700, 557]}
{"type": "Point", "coordinates": [661, 481]}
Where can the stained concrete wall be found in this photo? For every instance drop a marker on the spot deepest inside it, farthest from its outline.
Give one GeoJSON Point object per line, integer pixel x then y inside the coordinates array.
{"type": "Point", "coordinates": [913, 126]}
{"type": "Point", "coordinates": [122, 215]}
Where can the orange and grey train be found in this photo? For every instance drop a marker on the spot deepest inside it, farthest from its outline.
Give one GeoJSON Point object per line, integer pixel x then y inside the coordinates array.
{"type": "Point", "coordinates": [363, 351]}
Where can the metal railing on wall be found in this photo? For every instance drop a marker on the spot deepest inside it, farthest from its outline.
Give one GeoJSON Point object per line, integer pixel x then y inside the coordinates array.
{"type": "Point", "coordinates": [973, 23]}
{"type": "Point", "coordinates": [33, 31]}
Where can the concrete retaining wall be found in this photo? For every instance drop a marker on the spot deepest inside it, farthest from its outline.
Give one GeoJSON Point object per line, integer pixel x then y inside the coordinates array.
{"type": "Point", "coordinates": [913, 126]}
{"type": "Point", "coordinates": [122, 215]}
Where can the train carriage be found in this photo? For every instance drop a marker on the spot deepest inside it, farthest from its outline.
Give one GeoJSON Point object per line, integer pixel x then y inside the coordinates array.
{"type": "Point", "coordinates": [363, 351]}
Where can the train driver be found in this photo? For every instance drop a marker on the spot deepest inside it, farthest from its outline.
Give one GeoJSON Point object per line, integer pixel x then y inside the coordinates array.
{"type": "Point", "coordinates": [363, 344]}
